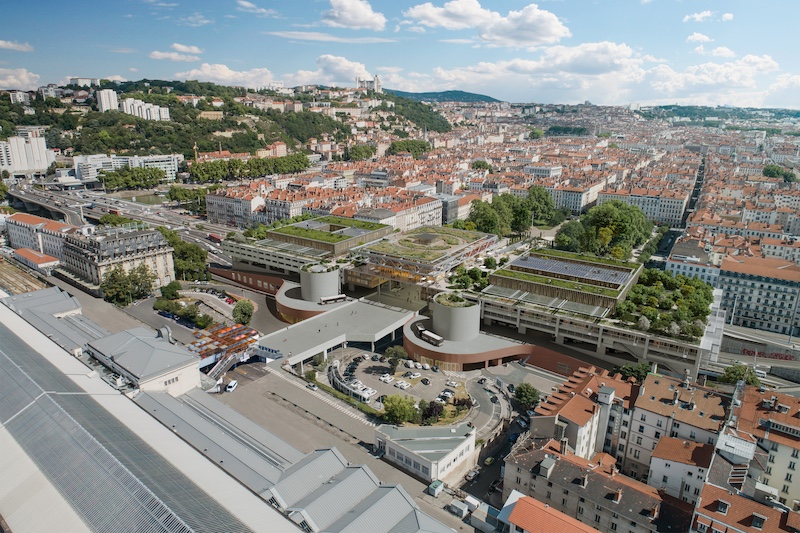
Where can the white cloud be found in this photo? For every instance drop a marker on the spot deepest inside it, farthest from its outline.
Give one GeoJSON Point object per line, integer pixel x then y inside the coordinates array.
{"type": "Point", "coordinates": [123, 50]}
{"type": "Point", "coordinates": [18, 78]}
{"type": "Point", "coordinates": [115, 77]}
{"type": "Point", "coordinates": [133, 69]}
{"type": "Point", "coordinates": [331, 70]}
{"type": "Point", "coordinates": [742, 73]}
{"type": "Point", "coordinates": [353, 14]}
{"type": "Point", "coordinates": [723, 51]}
{"type": "Point", "coordinates": [698, 17]}
{"type": "Point", "coordinates": [528, 27]}
{"type": "Point", "coordinates": [223, 75]}
{"type": "Point", "coordinates": [416, 29]}
{"type": "Point", "coordinates": [719, 51]}
{"type": "Point", "coordinates": [727, 17]}
{"type": "Point", "coordinates": [186, 49]}
{"type": "Point", "coordinates": [327, 37]}
{"type": "Point", "coordinates": [195, 20]}
{"type": "Point", "coordinates": [19, 47]}
{"type": "Point", "coordinates": [249, 7]}
{"type": "Point", "coordinates": [698, 38]}
{"type": "Point", "coordinates": [173, 56]}
{"type": "Point", "coordinates": [457, 41]}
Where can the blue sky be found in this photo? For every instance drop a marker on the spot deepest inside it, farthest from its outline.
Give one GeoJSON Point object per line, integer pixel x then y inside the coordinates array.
{"type": "Point", "coordinates": [704, 52]}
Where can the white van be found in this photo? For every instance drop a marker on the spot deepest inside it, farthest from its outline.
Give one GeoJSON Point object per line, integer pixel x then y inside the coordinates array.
{"type": "Point", "coordinates": [760, 374]}
{"type": "Point", "coordinates": [231, 386]}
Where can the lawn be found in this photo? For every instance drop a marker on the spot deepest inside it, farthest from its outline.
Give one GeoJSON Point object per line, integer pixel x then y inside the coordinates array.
{"type": "Point", "coordinates": [554, 282]}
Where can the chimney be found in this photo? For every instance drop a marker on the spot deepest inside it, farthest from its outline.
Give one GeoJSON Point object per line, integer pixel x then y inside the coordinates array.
{"type": "Point", "coordinates": [617, 495]}
{"type": "Point", "coordinates": [675, 398]}
{"type": "Point", "coordinates": [584, 479]}
{"type": "Point", "coordinates": [564, 449]}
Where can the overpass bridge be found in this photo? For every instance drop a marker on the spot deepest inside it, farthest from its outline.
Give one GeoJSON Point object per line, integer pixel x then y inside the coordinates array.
{"type": "Point", "coordinates": [57, 208]}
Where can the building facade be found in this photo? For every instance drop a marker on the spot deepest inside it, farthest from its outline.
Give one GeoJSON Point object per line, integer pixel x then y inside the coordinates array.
{"type": "Point", "coordinates": [91, 257]}
{"type": "Point", "coordinates": [107, 100]}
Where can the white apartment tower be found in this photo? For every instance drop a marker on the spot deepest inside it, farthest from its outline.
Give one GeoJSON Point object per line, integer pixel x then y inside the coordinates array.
{"type": "Point", "coordinates": [107, 100]}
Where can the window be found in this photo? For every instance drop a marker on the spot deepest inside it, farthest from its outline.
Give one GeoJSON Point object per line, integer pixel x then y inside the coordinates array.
{"type": "Point", "coordinates": [791, 465]}
{"type": "Point", "coordinates": [758, 521]}
{"type": "Point", "coordinates": [564, 502]}
{"type": "Point", "coordinates": [519, 480]}
{"type": "Point", "coordinates": [597, 518]}
{"type": "Point", "coordinates": [636, 454]}
{"type": "Point", "coordinates": [581, 499]}
{"type": "Point", "coordinates": [771, 458]}
{"type": "Point", "coordinates": [658, 435]}
{"type": "Point", "coordinates": [580, 510]}
{"type": "Point", "coordinates": [659, 423]}
{"type": "Point", "coordinates": [692, 435]}
{"type": "Point", "coordinates": [566, 491]}
{"type": "Point", "coordinates": [788, 477]}
{"type": "Point", "coordinates": [768, 470]}
{"type": "Point", "coordinates": [613, 526]}
{"type": "Point", "coordinates": [697, 492]}
{"type": "Point", "coordinates": [665, 479]}
{"type": "Point", "coordinates": [722, 506]}
{"type": "Point", "coordinates": [549, 483]}
{"type": "Point", "coordinates": [638, 440]}
{"type": "Point", "coordinates": [643, 417]}
{"type": "Point", "coordinates": [785, 488]}
{"type": "Point", "coordinates": [795, 454]}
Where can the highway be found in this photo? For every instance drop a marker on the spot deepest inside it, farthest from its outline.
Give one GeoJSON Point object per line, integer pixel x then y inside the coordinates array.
{"type": "Point", "coordinates": [80, 206]}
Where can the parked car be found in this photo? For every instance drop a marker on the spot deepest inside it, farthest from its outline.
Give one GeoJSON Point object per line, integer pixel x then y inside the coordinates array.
{"type": "Point", "coordinates": [452, 384]}
{"type": "Point", "coordinates": [231, 386]}
{"type": "Point", "coordinates": [511, 388]}
{"type": "Point", "coordinates": [415, 375]}
{"type": "Point", "coordinates": [494, 399]}
{"type": "Point", "coordinates": [481, 381]}
{"type": "Point", "coordinates": [418, 365]}
{"type": "Point", "coordinates": [408, 374]}
{"type": "Point", "coordinates": [312, 386]}
{"type": "Point", "coordinates": [402, 385]}
{"type": "Point", "coordinates": [426, 381]}
{"type": "Point", "coordinates": [426, 366]}
{"type": "Point", "coordinates": [522, 423]}
{"type": "Point", "coordinates": [472, 474]}
{"type": "Point", "coordinates": [530, 413]}
{"type": "Point", "coordinates": [489, 461]}
{"type": "Point", "coordinates": [435, 368]}
{"type": "Point", "coordinates": [376, 357]}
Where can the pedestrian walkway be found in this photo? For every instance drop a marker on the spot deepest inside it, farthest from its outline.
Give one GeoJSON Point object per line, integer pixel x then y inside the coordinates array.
{"type": "Point", "coordinates": [349, 410]}
{"type": "Point", "coordinates": [454, 374]}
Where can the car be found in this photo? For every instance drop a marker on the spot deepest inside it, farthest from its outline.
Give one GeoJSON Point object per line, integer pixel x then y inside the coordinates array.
{"type": "Point", "coordinates": [440, 400]}
{"type": "Point", "coordinates": [382, 359]}
{"type": "Point", "coordinates": [495, 484]}
{"type": "Point", "coordinates": [446, 394]}
{"type": "Point", "coordinates": [489, 461]}
{"type": "Point", "coordinates": [471, 475]}
{"type": "Point", "coordinates": [425, 381]}
{"type": "Point", "coordinates": [530, 413]}
{"type": "Point", "coordinates": [232, 386]}
{"type": "Point", "coordinates": [387, 379]}
{"type": "Point", "coordinates": [417, 365]}
{"type": "Point", "coordinates": [408, 374]}
{"type": "Point", "coordinates": [435, 368]}
{"type": "Point", "coordinates": [511, 388]}
{"type": "Point", "coordinates": [404, 385]}
{"type": "Point", "coordinates": [522, 423]}
{"type": "Point", "coordinates": [312, 386]}
{"type": "Point", "coordinates": [426, 366]}
{"type": "Point", "coordinates": [384, 376]}
{"type": "Point", "coordinates": [415, 375]}
{"type": "Point", "coordinates": [381, 398]}
{"type": "Point", "coordinates": [451, 392]}
{"type": "Point", "coordinates": [376, 357]}
{"type": "Point", "coordinates": [481, 381]}
{"type": "Point", "coordinates": [409, 364]}
{"type": "Point", "coordinates": [494, 399]}
{"type": "Point", "coordinates": [399, 383]}
{"type": "Point", "coordinates": [451, 384]}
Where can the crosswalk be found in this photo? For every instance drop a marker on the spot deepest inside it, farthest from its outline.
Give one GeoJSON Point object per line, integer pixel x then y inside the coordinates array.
{"type": "Point", "coordinates": [454, 374]}
{"type": "Point", "coordinates": [346, 409]}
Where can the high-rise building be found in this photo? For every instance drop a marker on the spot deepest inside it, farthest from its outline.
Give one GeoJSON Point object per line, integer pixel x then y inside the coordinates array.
{"type": "Point", "coordinates": [87, 167]}
{"type": "Point", "coordinates": [28, 155]}
{"type": "Point", "coordinates": [107, 100]}
{"type": "Point", "coordinates": [84, 82]}
{"type": "Point", "coordinates": [19, 97]}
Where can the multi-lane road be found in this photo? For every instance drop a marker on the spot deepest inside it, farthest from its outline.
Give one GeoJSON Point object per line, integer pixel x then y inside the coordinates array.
{"type": "Point", "coordinates": [80, 206]}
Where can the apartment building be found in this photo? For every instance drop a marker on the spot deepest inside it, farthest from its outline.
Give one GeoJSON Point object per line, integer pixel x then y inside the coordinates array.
{"type": "Point", "coordinates": [233, 207]}
{"type": "Point", "coordinates": [663, 206]}
{"type": "Point", "coordinates": [107, 100]}
{"type": "Point", "coordinates": [40, 234]}
{"type": "Point", "coordinates": [543, 171]}
{"type": "Point", "coordinates": [721, 511]}
{"type": "Point", "coordinates": [138, 108]}
{"type": "Point", "coordinates": [680, 467]}
{"type": "Point", "coordinates": [694, 258]}
{"type": "Point", "coordinates": [25, 155]}
{"type": "Point", "coordinates": [88, 167]}
{"type": "Point", "coordinates": [90, 257]}
{"type": "Point", "coordinates": [761, 293]}
{"type": "Point", "coordinates": [590, 491]}
{"type": "Point", "coordinates": [19, 97]}
{"type": "Point", "coordinates": [670, 407]}
{"type": "Point", "coordinates": [770, 419]}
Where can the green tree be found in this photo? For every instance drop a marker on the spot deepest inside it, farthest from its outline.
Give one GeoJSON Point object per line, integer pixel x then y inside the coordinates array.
{"type": "Point", "coordinates": [110, 219]}
{"type": "Point", "coordinates": [490, 262]}
{"type": "Point", "coordinates": [527, 395]}
{"type": "Point", "coordinates": [540, 203]}
{"type": "Point", "coordinates": [484, 217]}
{"type": "Point", "coordinates": [777, 171]}
{"type": "Point", "coordinates": [170, 290]}
{"type": "Point", "coordinates": [399, 409]}
{"type": "Point", "coordinates": [142, 279]}
{"type": "Point", "coordinates": [536, 133]}
{"type": "Point", "coordinates": [243, 311]}
{"type": "Point", "coordinates": [480, 164]}
{"type": "Point", "coordinates": [638, 371]}
{"type": "Point", "coordinates": [414, 147]}
{"type": "Point", "coordinates": [360, 152]}
{"type": "Point", "coordinates": [571, 236]}
{"type": "Point", "coordinates": [736, 373]}
{"type": "Point", "coordinates": [117, 287]}
{"type": "Point", "coordinates": [203, 321]}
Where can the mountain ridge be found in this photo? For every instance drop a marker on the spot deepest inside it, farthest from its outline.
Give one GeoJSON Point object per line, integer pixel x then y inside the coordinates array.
{"type": "Point", "coordinates": [444, 96]}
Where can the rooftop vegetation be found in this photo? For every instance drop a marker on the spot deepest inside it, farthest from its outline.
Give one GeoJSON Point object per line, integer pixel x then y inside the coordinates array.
{"type": "Point", "coordinates": [313, 234]}
{"type": "Point", "coordinates": [585, 257]}
{"type": "Point", "coordinates": [554, 282]}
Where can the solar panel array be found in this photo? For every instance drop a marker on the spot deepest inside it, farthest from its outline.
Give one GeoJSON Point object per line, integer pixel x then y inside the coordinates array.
{"type": "Point", "coordinates": [574, 270]}
{"type": "Point", "coordinates": [293, 248]}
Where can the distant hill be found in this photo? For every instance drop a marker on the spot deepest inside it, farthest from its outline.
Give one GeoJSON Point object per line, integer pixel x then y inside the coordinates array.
{"type": "Point", "coordinates": [444, 96]}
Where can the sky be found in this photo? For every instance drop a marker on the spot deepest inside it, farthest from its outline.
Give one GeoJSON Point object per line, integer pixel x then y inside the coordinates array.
{"type": "Point", "coordinates": [610, 52]}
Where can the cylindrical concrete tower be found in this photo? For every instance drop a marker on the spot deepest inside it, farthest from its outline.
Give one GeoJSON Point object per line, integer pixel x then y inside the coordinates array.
{"type": "Point", "coordinates": [319, 281]}
{"type": "Point", "coordinates": [454, 318]}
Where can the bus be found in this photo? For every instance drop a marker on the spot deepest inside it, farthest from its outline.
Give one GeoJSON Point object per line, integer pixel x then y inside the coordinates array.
{"type": "Point", "coordinates": [431, 338]}
{"type": "Point", "coordinates": [332, 299]}
{"type": "Point", "coordinates": [213, 237]}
